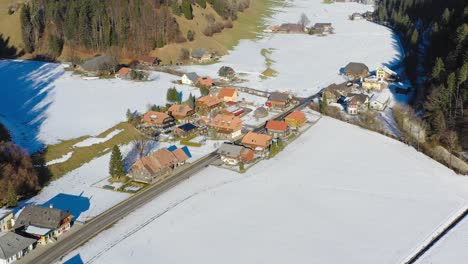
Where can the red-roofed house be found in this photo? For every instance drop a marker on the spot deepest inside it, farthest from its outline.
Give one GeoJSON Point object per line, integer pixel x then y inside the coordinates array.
{"type": "Point", "coordinates": [208, 103]}
{"type": "Point", "coordinates": [123, 73]}
{"type": "Point", "coordinates": [257, 142]}
{"type": "Point", "coordinates": [228, 94]}
{"type": "Point", "coordinates": [227, 126]}
{"type": "Point", "coordinates": [204, 81]}
{"type": "Point", "coordinates": [295, 119]}
{"type": "Point", "coordinates": [277, 129]}
{"type": "Point", "coordinates": [158, 120]}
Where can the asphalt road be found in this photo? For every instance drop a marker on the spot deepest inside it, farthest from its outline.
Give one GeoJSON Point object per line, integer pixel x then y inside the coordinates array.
{"type": "Point", "coordinates": [114, 214]}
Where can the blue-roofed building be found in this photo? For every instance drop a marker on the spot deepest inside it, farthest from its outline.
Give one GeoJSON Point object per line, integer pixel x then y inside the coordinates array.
{"type": "Point", "coordinates": [172, 148]}
{"type": "Point", "coordinates": [185, 130]}
{"type": "Point", "coordinates": [187, 151]}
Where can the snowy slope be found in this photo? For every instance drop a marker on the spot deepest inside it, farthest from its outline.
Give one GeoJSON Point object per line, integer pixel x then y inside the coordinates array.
{"type": "Point", "coordinates": [338, 194]}
{"type": "Point", "coordinates": [41, 103]}
{"type": "Point", "coordinates": [452, 248]}
{"type": "Point", "coordinates": [307, 63]}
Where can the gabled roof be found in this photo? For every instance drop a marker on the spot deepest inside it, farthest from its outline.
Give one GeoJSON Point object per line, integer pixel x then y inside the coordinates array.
{"type": "Point", "coordinates": [229, 122]}
{"type": "Point", "coordinates": [41, 217]}
{"type": "Point", "coordinates": [276, 125]}
{"type": "Point", "coordinates": [358, 98]}
{"type": "Point", "coordinates": [226, 92]}
{"type": "Point", "coordinates": [187, 151]}
{"type": "Point", "coordinates": [381, 98]}
{"type": "Point", "coordinates": [192, 76]}
{"type": "Point", "coordinates": [257, 139]}
{"type": "Point", "coordinates": [156, 118]}
{"type": "Point", "coordinates": [180, 155]}
{"type": "Point", "coordinates": [294, 27]}
{"type": "Point", "coordinates": [230, 150]}
{"type": "Point", "coordinates": [278, 97]}
{"type": "Point", "coordinates": [179, 109]}
{"type": "Point", "coordinates": [355, 68]}
{"type": "Point", "coordinates": [124, 71]}
{"type": "Point", "coordinates": [11, 244]}
{"type": "Point", "coordinates": [209, 100]}
{"type": "Point", "coordinates": [322, 25]}
{"type": "Point", "coordinates": [296, 115]}
{"type": "Point", "coordinates": [205, 81]}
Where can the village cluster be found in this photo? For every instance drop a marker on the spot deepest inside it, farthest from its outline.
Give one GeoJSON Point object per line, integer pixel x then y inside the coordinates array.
{"type": "Point", "coordinates": [364, 90]}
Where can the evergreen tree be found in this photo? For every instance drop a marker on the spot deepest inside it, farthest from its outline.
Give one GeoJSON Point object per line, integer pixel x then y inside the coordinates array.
{"type": "Point", "coordinates": [129, 115]}
{"type": "Point", "coordinates": [12, 197]}
{"type": "Point", "coordinates": [187, 9]}
{"type": "Point", "coordinates": [176, 8]}
{"type": "Point", "coordinates": [27, 28]}
{"type": "Point", "coordinates": [172, 95]}
{"type": "Point", "coordinates": [414, 37]}
{"type": "Point", "coordinates": [191, 101]}
{"type": "Point", "coordinates": [324, 104]}
{"type": "Point", "coordinates": [241, 167]}
{"type": "Point", "coordinates": [190, 35]}
{"type": "Point", "coordinates": [438, 70]}
{"type": "Point", "coordinates": [204, 90]}
{"type": "Point", "coordinates": [116, 167]}
{"type": "Point", "coordinates": [201, 3]}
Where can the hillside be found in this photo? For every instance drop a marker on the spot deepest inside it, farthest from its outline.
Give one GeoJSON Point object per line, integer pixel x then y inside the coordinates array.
{"type": "Point", "coordinates": [82, 28]}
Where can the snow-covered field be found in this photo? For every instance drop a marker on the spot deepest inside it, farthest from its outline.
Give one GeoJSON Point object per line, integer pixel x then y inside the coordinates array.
{"type": "Point", "coordinates": [338, 194]}
{"type": "Point", "coordinates": [452, 248]}
{"type": "Point", "coordinates": [308, 63]}
{"type": "Point", "coordinates": [96, 140]}
{"type": "Point", "coordinates": [42, 103]}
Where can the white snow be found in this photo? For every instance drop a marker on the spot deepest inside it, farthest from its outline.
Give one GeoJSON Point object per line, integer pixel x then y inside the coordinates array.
{"type": "Point", "coordinates": [338, 194]}
{"type": "Point", "coordinates": [308, 63]}
{"type": "Point", "coordinates": [61, 159]}
{"type": "Point", "coordinates": [452, 248]}
{"type": "Point", "coordinates": [42, 103]}
{"type": "Point", "coordinates": [95, 140]}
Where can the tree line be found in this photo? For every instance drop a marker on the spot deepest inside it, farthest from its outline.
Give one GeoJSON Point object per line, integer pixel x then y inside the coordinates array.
{"type": "Point", "coordinates": [136, 26]}
{"type": "Point", "coordinates": [434, 34]}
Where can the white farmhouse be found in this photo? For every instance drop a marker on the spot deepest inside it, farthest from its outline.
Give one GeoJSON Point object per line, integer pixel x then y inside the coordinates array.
{"type": "Point", "coordinates": [379, 102]}
{"type": "Point", "coordinates": [189, 78]}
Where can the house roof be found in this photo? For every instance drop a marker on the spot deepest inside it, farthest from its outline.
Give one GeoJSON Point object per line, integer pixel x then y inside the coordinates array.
{"type": "Point", "coordinates": [41, 217]}
{"type": "Point", "coordinates": [205, 81]}
{"type": "Point", "coordinates": [230, 150]}
{"type": "Point", "coordinates": [338, 90]}
{"type": "Point", "coordinates": [276, 125]}
{"type": "Point", "coordinates": [261, 112]}
{"type": "Point", "coordinates": [187, 151]}
{"type": "Point", "coordinates": [295, 27]}
{"type": "Point", "coordinates": [228, 122]}
{"type": "Point", "coordinates": [209, 100]}
{"type": "Point", "coordinates": [187, 127]}
{"type": "Point", "coordinates": [198, 53]}
{"type": "Point", "coordinates": [278, 97]}
{"type": "Point", "coordinates": [180, 110]}
{"type": "Point", "coordinates": [192, 76]}
{"type": "Point", "coordinates": [226, 92]}
{"type": "Point", "coordinates": [164, 157]}
{"type": "Point", "coordinates": [155, 118]}
{"type": "Point", "coordinates": [387, 70]}
{"type": "Point", "coordinates": [296, 115]}
{"type": "Point", "coordinates": [4, 213]}
{"type": "Point", "coordinates": [257, 139]}
{"type": "Point", "coordinates": [124, 71]}
{"type": "Point", "coordinates": [381, 98]}
{"type": "Point", "coordinates": [149, 59]}
{"type": "Point", "coordinates": [12, 243]}
{"type": "Point", "coordinates": [355, 68]}
{"type": "Point", "coordinates": [226, 71]}
{"type": "Point", "coordinates": [322, 25]}
{"type": "Point", "coordinates": [358, 98]}
{"type": "Point", "coordinates": [180, 155]}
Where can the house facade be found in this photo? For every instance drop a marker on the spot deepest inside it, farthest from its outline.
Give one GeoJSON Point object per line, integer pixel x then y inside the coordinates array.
{"type": "Point", "coordinates": [357, 104]}
{"type": "Point", "coordinates": [44, 223]}
{"type": "Point", "coordinates": [379, 102]}
{"type": "Point", "coordinates": [208, 103]}
{"type": "Point", "coordinates": [158, 120]}
{"type": "Point", "coordinates": [376, 84]}
{"type": "Point", "coordinates": [189, 78]}
{"type": "Point", "coordinates": [260, 143]}
{"type": "Point", "coordinates": [278, 100]}
{"type": "Point", "coordinates": [384, 73]}
{"type": "Point", "coordinates": [277, 129]}
{"type": "Point", "coordinates": [234, 154]}
{"type": "Point", "coordinates": [6, 220]}
{"type": "Point", "coordinates": [13, 247]}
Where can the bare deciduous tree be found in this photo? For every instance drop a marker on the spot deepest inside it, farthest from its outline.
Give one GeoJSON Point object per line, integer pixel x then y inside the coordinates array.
{"type": "Point", "coordinates": [304, 20]}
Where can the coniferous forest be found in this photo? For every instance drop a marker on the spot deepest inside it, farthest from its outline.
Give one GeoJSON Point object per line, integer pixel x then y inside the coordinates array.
{"type": "Point", "coordinates": [435, 34]}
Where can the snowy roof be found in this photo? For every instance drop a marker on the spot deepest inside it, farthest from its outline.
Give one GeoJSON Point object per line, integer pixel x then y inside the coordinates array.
{"type": "Point", "coordinates": [336, 105]}
{"type": "Point", "coordinates": [356, 68]}
{"type": "Point", "coordinates": [387, 70]}
{"type": "Point", "coordinates": [36, 230]}
{"type": "Point", "coordinates": [4, 212]}
{"type": "Point", "coordinates": [380, 98]}
{"type": "Point", "coordinates": [230, 150]}
{"type": "Point", "coordinates": [11, 244]}
{"type": "Point", "coordinates": [41, 216]}
{"type": "Point", "coordinates": [193, 76]}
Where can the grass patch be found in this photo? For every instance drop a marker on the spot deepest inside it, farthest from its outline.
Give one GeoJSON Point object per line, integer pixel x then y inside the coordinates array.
{"type": "Point", "coordinates": [10, 26]}
{"type": "Point", "coordinates": [190, 144]}
{"type": "Point", "coordinates": [82, 155]}
{"type": "Point", "coordinates": [269, 72]}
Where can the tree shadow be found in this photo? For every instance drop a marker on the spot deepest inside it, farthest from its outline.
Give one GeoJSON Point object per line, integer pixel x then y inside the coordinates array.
{"type": "Point", "coordinates": [73, 204]}
{"type": "Point", "coordinates": [74, 260]}
{"type": "Point", "coordinates": [27, 93]}
{"type": "Point", "coordinates": [8, 51]}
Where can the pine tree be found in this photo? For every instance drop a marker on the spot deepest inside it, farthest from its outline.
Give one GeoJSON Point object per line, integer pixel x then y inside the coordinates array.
{"type": "Point", "coordinates": [187, 9]}
{"type": "Point", "coordinates": [241, 167]}
{"type": "Point", "coordinates": [12, 197]}
{"type": "Point", "coordinates": [201, 3]}
{"type": "Point", "coordinates": [191, 101]}
{"type": "Point", "coordinates": [129, 115]}
{"type": "Point", "coordinates": [172, 95]}
{"type": "Point", "coordinates": [116, 167]}
{"type": "Point", "coordinates": [414, 37]}
{"type": "Point", "coordinates": [27, 28]}
{"type": "Point", "coordinates": [324, 104]}
{"type": "Point", "coordinates": [438, 70]}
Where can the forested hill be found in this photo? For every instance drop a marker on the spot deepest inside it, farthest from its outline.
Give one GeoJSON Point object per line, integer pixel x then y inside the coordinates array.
{"type": "Point", "coordinates": [136, 26]}
{"type": "Point", "coordinates": [435, 33]}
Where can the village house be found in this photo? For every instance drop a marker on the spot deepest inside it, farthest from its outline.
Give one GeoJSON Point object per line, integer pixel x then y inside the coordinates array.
{"type": "Point", "coordinates": [228, 94]}
{"type": "Point", "coordinates": [227, 126]}
{"type": "Point", "coordinates": [13, 247]}
{"type": "Point", "coordinates": [149, 61]}
{"type": "Point", "coordinates": [260, 143]}
{"type": "Point", "coordinates": [186, 130]}
{"type": "Point", "coordinates": [99, 65]}
{"type": "Point", "coordinates": [204, 82]}
{"type": "Point", "coordinates": [226, 72]}
{"type": "Point", "coordinates": [124, 73]}
{"type": "Point", "coordinates": [234, 154]}
{"type": "Point", "coordinates": [374, 83]}
{"type": "Point", "coordinates": [356, 16]}
{"type": "Point", "coordinates": [278, 100]}
{"type": "Point", "coordinates": [334, 92]}
{"type": "Point", "coordinates": [356, 70]}
{"type": "Point", "coordinates": [208, 103]}
{"type": "Point", "coordinates": [357, 103]}
{"type": "Point", "coordinates": [189, 78]}
{"type": "Point", "coordinates": [158, 164]}
{"type": "Point", "coordinates": [234, 110]}
{"type": "Point", "coordinates": [6, 220]}
{"type": "Point", "coordinates": [158, 120]}
{"type": "Point", "coordinates": [384, 73]}
{"type": "Point", "coordinates": [322, 28]}
{"type": "Point", "coordinates": [291, 28]}
{"type": "Point", "coordinates": [201, 56]}
{"type": "Point", "coordinates": [181, 154]}
{"type": "Point", "coordinates": [44, 223]}
{"type": "Point", "coordinates": [379, 102]}
{"type": "Point", "coordinates": [181, 112]}
{"type": "Point", "coordinates": [261, 112]}
{"type": "Point", "coordinates": [277, 129]}
{"type": "Point", "coordinates": [295, 119]}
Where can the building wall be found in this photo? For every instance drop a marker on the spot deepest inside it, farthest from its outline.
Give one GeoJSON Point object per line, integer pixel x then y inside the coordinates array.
{"type": "Point", "coordinates": [6, 223]}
